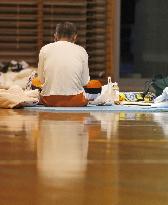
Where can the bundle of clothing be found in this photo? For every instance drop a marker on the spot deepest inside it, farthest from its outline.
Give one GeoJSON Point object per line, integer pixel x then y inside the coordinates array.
{"type": "Point", "coordinates": [14, 73]}
{"type": "Point", "coordinates": [16, 97]}
{"type": "Point", "coordinates": [14, 80]}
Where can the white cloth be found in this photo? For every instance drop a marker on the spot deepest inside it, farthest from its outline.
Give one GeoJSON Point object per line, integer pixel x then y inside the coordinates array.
{"type": "Point", "coordinates": [163, 97]}
{"type": "Point", "coordinates": [162, 100]}
{"type": "Point", "coordinates": [15, 96]}
{"type": "Point", "coordinates": [63, 68]}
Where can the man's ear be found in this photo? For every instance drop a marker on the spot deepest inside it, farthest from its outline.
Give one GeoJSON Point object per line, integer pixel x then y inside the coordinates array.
{"type": "Point", "coordinates": [75, 38]}
{"type": "Point", "coordinates": [55, 37]}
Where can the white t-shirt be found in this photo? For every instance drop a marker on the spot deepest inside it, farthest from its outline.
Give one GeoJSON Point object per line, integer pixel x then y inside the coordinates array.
{"type": "Point", "coordinates": [63, 68]}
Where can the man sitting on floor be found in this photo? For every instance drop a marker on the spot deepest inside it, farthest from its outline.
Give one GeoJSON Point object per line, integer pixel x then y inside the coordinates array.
{"type": "Point", "coordinates": [63, 69]}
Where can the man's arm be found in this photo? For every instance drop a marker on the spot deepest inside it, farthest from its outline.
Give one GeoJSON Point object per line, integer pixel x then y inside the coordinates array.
{"type": "Point", "coordinates": [85, 73]}
{"type": "Point", "coordinates": [41, 67]}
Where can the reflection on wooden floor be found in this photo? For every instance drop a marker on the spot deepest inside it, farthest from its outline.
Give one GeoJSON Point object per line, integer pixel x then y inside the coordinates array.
{"type": "Point", "coordinates": [83, 159]}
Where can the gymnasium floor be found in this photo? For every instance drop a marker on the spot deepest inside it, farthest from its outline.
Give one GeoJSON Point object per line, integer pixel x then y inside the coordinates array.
{"type": "Point", "coordinates": [83, 159]}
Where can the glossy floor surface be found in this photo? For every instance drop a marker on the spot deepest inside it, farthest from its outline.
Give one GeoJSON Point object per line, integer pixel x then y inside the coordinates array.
{"type": "Point", "coordinates": [83, 158]}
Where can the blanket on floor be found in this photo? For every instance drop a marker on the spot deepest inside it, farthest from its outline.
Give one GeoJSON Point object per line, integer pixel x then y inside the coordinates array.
{"type": "Point", "coordinates": [89, 108]}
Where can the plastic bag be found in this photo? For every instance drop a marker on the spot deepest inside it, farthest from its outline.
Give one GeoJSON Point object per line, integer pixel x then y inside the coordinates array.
{"type": "Point", "coordinates": [107, 96]}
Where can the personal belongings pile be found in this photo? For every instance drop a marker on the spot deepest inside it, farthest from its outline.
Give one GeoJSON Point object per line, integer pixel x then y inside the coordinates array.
{"type": "Point", "coordinates": [110, 95]}
{"type": "Point", "coordinates": [158, 84]}
{"type": "Point", "coordinates": [14, 73]}
{"type": "Point", "coordinates": [13, 81]}
{"type": "Point", "coordinates": [136, 98]}
{"type": "Point", "coordinates": [16, 97]}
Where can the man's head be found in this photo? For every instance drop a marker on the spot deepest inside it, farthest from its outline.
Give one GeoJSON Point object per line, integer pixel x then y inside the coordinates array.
{"type": "Point", "coordinates": [66, 31]}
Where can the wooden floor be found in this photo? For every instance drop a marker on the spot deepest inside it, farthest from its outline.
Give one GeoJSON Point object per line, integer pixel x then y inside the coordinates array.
{"type": "Point", "coordinates": [83, 159]}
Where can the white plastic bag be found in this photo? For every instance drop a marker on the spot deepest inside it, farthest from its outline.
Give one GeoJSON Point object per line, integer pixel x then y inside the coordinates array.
{"type": "Point", "coordinates": [107, 96]}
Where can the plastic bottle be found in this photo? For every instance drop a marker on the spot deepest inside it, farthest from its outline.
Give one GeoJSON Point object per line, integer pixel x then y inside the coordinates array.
{"type": "Point", "coordinates": [111, 93]}
{"type": "Point", "coordinates": [116, 91]}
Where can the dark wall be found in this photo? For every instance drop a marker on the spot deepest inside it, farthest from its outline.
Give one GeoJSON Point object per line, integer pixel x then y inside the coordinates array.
{"type": "Point", "coordinates": [144, 37]}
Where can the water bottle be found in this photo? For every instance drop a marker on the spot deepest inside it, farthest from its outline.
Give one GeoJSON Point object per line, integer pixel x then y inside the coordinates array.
{"type": "Point", "coordinates": [111, 92]}
{"type": "Point", "coordinates": [116, 91]}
